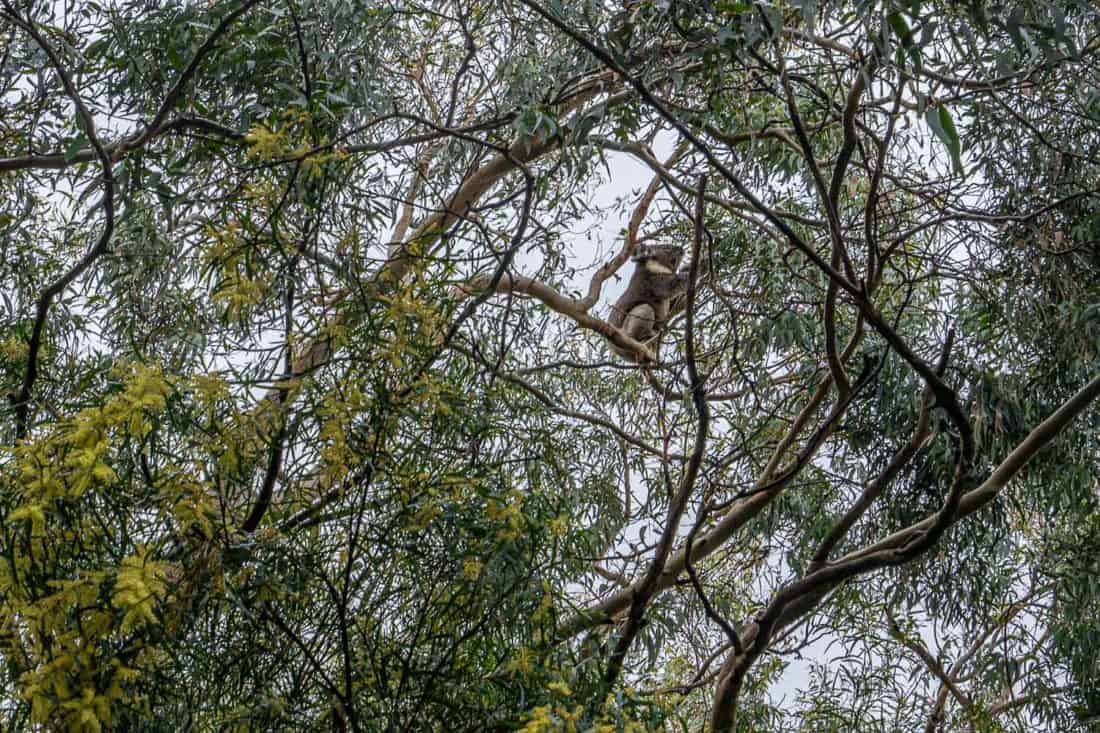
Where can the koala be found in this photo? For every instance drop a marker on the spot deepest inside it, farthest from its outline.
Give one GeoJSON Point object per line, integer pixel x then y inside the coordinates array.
{"type": "Point", "coordinates": [642, 311]}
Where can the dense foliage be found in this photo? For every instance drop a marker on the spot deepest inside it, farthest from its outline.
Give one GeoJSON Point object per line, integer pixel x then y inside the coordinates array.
{"type": "Point", "coordinates": [311, 420]}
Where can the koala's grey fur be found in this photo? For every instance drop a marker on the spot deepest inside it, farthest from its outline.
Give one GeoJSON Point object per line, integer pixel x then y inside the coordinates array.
{"type": "Point", "coordinates": [642, 311]}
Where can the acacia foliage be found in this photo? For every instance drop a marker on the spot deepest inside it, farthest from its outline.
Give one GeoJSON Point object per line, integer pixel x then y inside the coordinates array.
{"type": "Point", "coordinates": [312, 422]}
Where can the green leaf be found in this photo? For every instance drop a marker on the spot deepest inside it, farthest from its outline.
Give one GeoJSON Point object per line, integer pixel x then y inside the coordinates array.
{"type": "Point", "coordinates": [905, 36]}
{"type": "Point", "coordinates": [939, 119]}
{"type": "Point", "coordinates": [73, 148]}
{"type": "Point", "coordinates": [900, 28]}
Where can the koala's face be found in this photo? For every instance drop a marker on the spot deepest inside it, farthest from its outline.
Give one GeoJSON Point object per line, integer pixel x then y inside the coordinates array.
{"type": "Point", "coordinates": [667, 256]}
{"type": "Point", "coordinates": [661, 258]}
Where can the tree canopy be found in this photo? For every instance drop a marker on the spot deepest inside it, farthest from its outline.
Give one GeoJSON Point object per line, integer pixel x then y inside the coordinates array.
{"type": "Point", "coordinates": [311, 416]}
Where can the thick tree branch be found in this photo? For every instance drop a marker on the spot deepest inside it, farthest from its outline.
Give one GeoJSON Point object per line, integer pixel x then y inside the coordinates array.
{"type": "Point", "coordinates": [896, 549]}
{"type": "Point", "coordinates": [644, 591]}
{"type": "Point", "coordinates": [570, 307]}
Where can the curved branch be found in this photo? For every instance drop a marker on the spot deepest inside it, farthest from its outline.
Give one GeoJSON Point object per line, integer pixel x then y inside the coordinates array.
{"type": "Point", "coordinates": [176, 91]}
{"type": "Point", "coordinates": [574, 309]}
{"type": "Point", "coordinates": [631, 242]}
{"type": "Point", "coordinates": [648, 97]}
{"type": "Point", "coordinates": [156, 126]}
{"type": "Point", "coordinates": [874, 488]}
{"type": "Point", "coordinates": [118, 150]}
{"type": "Point", "coordinates": [642, 592]}
{"type": "Point", "coordinates": [21, 400]}
{"type": "Point", "coordinates": [802, 596]}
